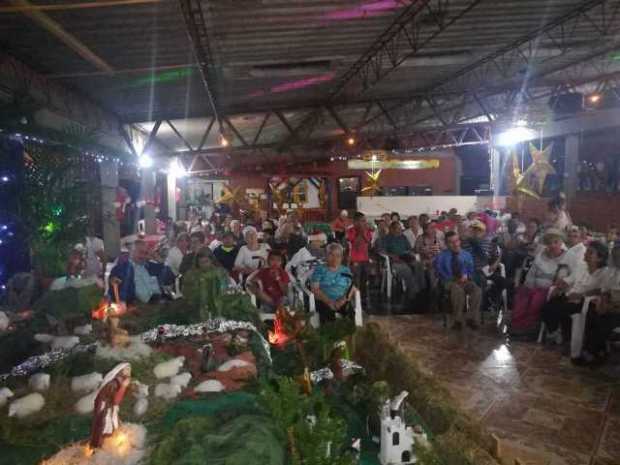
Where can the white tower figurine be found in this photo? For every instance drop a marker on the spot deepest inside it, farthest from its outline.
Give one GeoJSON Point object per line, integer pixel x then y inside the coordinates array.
{"type": "Point", "coordinates": [397, 439]}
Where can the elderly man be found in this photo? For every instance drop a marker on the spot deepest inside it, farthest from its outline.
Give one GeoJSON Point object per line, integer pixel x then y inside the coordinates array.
{"type": "Point", "coordinates": [481, 249]}
{"type": "Point", "coordinates": [140, 278]}
{"type": "Point", "coordinates": [413, 230]}
{"type": "Point", "coordinates": [332, 284]}
{"type": "Point", "coordinates": [455, 268]}
{"type": "Point", "coordinates": [176, 253]}
{"type": "Point", "coordinates": [396, 246]}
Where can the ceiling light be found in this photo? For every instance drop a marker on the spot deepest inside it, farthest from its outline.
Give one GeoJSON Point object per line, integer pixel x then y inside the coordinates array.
{"type": "Point", "coordinates": [515, 135]}
{"type": "Point", "coordinates": [351, 140]}
{"type": "Point", "coordinates": [145, 161]}
{"type": "Point", "coordinates": [177, 169]}
{"type": "Point", "coordinates": [223, 141]}
{"type": "Point", "coordinates": [594, 98]}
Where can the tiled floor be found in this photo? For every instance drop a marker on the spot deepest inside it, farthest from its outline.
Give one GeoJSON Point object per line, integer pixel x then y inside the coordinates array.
{"type": "Point", "coordinates": [544, 410]}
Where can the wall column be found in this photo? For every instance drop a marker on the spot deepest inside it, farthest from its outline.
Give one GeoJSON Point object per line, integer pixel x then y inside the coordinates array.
{"type": "Point", "coordinates": [571, 161]}
{"type": "Point", "coordinates": [111, 227]}
{"type": "Point", "coordinates": [172, 196]}
{"type": "Point", "coordinates": [148, 196]}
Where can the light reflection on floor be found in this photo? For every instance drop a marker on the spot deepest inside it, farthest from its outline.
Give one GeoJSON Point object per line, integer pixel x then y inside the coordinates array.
{"type": "Point", "coordinates": [543, 409]}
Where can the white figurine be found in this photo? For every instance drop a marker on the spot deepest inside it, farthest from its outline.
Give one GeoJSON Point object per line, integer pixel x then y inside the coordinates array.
{"type": "Point", "coordinates": [397, 439]}
{"type": "Point", "coordinates": [169, 368]}
{"type": "Point", "coordinates": [181, 379]}
{"type": "Point", "coordinates": [167, 391]}
{"type": "Point", "coordinates": [86, 383]}
{"type": "Point", "coordinates": [5, 394]}
{"type": "Point", "coordinates": [210, 385]}
{"type": "Point", "coordinates": [26, 405]}
{"type": "Point", "coordinates": [39, 382]}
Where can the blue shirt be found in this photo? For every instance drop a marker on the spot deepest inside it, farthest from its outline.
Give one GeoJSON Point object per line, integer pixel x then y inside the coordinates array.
{"type": "Point", "coordinates": [334, 284]}
{"type": "Point", "coordinates": [443, 264]}
{"type": "Point", "coordinates": [146, 285]}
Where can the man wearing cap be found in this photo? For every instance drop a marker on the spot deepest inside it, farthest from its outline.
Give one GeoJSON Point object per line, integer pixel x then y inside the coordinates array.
{"type": "Point", "coordinates": [360, 239]}
{"type": "Point", "coordinates": [481, 249]}
{"type": "Point", "coordinates": [455, 268]}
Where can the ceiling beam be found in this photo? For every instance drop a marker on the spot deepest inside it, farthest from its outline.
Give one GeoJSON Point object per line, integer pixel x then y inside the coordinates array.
{"type": "Point", "coordinates": [54, 28]}
{"type": "Point", "coordinates": [74, 6]}
{"type": "Point", "coordinates": [406, 36]}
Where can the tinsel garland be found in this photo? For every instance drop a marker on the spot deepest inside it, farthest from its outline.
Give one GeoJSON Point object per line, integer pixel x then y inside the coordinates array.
{"type": "Point", "coordinates": [38, 362]}
{"type": "Point", "coordinates": [218, 325]}
{"type": "Point", "coordinates": [167, 331]}
{"type": "Point", "coordinates": [325, 374]}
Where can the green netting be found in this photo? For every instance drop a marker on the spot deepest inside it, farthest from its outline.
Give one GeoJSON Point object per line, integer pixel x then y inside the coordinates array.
{"type": "Point", "coordinates": [28, 446]}
{"type": "Point", "coordinates": [211, 405]}
{"type": "Point", "coordinates": [245, 439]}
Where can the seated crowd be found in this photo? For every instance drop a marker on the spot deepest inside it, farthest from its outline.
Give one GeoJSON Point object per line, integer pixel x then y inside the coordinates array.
{"type": "Point", "coordinates": [464, 265]}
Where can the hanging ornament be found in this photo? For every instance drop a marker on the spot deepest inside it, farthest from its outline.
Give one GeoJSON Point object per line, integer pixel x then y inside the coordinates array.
{"type": "Point", "coordinates": [513, 173]}
{"type": "Point", "coordinates": [373, 188]}
{"type": "Point", "coordinates": [539, 170]}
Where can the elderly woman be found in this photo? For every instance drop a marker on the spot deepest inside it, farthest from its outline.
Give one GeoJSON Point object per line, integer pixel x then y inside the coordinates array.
{"type": "Point", "coordinates": [557, 311]}
{"type": "Point", "coordinates": [604, 317]}
{"type": "Point", "coordinates": [253, 254]}
{"type": "Point", "coordinates": [530, 298]}
{"type": "Point", "coordinates": [332, 284]}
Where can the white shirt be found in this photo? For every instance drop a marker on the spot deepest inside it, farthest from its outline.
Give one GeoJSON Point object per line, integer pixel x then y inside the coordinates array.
{"type": "Point", "coordinates": [246, 257]}
{"type": "Point", "coordinates": [587, 282]}
{"type": "Point", "coordinates": [93, 246]}
{"type": "Point", "coordinates": [411, 237]}
{"type": "Point", "coordinates": [543, 270]}
{"type": "Point", "coordinates": [174, 259]}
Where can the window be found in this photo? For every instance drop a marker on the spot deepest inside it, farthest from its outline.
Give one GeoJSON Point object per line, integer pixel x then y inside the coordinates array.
{"type": "Point", "coordinates": [395, 439]}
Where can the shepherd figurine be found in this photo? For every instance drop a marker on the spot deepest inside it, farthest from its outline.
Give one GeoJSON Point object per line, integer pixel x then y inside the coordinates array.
{"type": "Point", "coordinates": [107, 401]}
{"type": "Point", "coordinates": [110, 314]}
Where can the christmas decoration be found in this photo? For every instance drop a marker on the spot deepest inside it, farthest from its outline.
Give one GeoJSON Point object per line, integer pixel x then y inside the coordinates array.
{"type": "Point", "coordinates": [532, 181]}
{"type": "Point", "coordinates": [232, 197]}
{"type": "Point", "coordinates": [373, 188]}
{"type": "Point", "coordinates": [110, 313]}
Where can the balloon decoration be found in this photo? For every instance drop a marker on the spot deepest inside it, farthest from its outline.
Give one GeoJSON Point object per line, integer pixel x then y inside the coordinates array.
{"type": "Point", "coordinates": [532, 181]}
{"type": "Point", "coordinates": [373, 188]}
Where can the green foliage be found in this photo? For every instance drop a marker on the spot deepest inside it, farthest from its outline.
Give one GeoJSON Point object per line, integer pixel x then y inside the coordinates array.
{"type": "Point", "coordinates": [53, 206]}
{"type": "Point", "coordinates": [66, 303]}
{"type": "Point", "coordinates": [290, 408]}
{"type": "Point", "coordinates": [203, 440]}
{"type": "Point", "coordinates": [207, 291]}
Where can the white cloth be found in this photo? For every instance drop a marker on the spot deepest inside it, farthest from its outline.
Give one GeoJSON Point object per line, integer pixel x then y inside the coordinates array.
{"type": "Point", "coordinates": [253, 259]}
{"type": "Point", "coordinates": [174, 259]}
{"type": "Point", "coordinates": [93, 246]}
{"type": "Point", "coordinates": [411, 237]}
{"type": "Point", "coordinates": [574, 260]}
{"type": "Point", "coordinates": [543, 270]}
{"type": "Point", "coordinates": [300, 261]}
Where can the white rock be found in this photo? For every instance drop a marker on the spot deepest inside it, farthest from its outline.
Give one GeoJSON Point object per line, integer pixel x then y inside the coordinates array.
{"type": "Point", "coordinates": [234, 363]}
{"type": "Point", "coordinates": [140, 390]}
{"type": "Point", "coordinates": [5, 394]}
{"type": "Point", "coordinates": [44, 338]}
{"type": "Point", "coordinates": [58, 342]}
{"type": "Point", "coordinates": [140, 407]}
{"type": "Point", "coordinates": [83, 330]}
{"type": "Point", "coordinates": [4, 321]}
{"type": "Point", "coordinates": [27, 405]}
{"type": "Point", "coordinates": [86, 383]}
{"type": "Point", "coordinates": [86, 404]}
{"type": "Point", "coordinates": [181, 379]}
{"type": "Point", "coordinates": [39, 382]}
{"type": "Point", "coordinates": [169, 368]}
{"type": "Point", "coordinates": [65, 342]}
{"type": "Point", "coordinates": [167, 391]}
{"type": "Point", "coordinates": [210, 385]}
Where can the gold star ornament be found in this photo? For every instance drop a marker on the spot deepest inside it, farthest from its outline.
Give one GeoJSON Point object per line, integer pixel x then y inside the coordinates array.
{"type": "Point", "coordinates": [532, 181]}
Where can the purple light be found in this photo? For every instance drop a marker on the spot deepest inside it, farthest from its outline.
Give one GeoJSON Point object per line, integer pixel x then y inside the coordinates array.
{"type": "Point", "coordinates": [365, 10]}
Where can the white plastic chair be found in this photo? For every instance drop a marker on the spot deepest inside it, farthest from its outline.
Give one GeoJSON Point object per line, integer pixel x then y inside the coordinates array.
{"type": "Point", "coordinates": [578, 327]}
{"type": "Point", "coordinates": [388, 276]}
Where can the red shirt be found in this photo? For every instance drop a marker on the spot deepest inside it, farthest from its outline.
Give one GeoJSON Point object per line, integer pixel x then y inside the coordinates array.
{"type": "Point", "coordinates": [359, 242]}
{"type": "Point", "coordinates": [340, 224]}
{"type": "Point", "coordinates": [271, 278]}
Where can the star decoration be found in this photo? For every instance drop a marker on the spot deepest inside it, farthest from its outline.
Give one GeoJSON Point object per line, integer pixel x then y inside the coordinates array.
{"type": "Point", "coordinates": [231, 197]}
{"type": "Point", "coordinates": [539, 169]}
{"type": "Point", "coordinates": [373, 187]}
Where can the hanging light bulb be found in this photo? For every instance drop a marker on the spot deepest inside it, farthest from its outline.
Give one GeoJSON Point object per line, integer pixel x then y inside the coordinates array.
{"type": "Point", "coordinates": [351, 140]}
{"type": "Point", "coordinates": [223, 141]}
